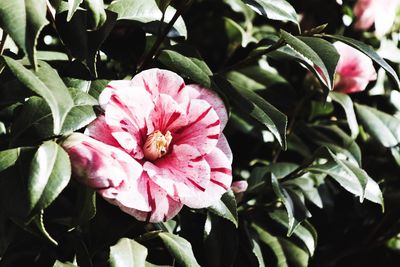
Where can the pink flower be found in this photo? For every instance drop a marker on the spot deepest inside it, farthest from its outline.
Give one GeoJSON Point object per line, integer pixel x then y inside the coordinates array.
{"type": "Point", "coordinates": [382, 13]}
{"type": "Point", "coordinates": [239, 186]}
{"type": "Point", "coordinates": [354, 70]}
{"type": "Point", "coordinates": [158, 146]}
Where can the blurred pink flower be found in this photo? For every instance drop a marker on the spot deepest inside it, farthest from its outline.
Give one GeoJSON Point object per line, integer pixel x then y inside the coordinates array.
{"type": "Point", "coordinates": [239, 186]}
{"type": "Point", "coordinates": [158, 146]}
{"type": "Point", "coordinates": [382, 13]}
{"type": "Point", "coordinates": [354, 70]}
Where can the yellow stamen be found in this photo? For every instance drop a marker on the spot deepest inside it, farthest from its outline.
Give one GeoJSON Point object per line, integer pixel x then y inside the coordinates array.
{"type": "Point", "coordinates": [157, 145]}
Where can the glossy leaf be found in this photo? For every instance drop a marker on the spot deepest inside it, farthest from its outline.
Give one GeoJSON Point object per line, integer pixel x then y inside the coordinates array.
{"type": "Point", "coordinates": [258, 108]}
{"type": "Point", "coordinates": [347, 104]}
{"type": "Point", "coordinates": [275, 9]}
{"type": "Point", "coordinates": [46, 83]}
{"type": "Point", "coordinates": [306, 54]}
{"type": "Point", "coordinates": [296, 210]}
{"type": "Point", "coordinates": [187, 66]}
{"type": "Point", "coordinates": [127, 252]}
{"type": "Point", "coordinates": [23, 20]}
{"type": "Point", "coordinates": [382, 126]}
{"type": "Point", "coordinates": [179, 248]}
{"type": "Point", "coordinates": [226, 208]}
{"type": "Point", "coordinates": [351, 178]}
{"type": "Point", "coordinates": [97, 14]}
{"type": "Point", "coordinates": [49, 174]}
{"type": "Point", "coordinates": [146, 11]}
{"type": "Point", "coordinates": [8, 158]}
{"type": "Point", "coordinates": [39, 221]}
{"type": "Point", "coordinates": [72, 7]}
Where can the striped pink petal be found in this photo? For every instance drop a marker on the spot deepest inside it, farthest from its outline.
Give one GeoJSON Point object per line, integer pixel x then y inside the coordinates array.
{"type": "Point", "coordinates": [203, 129]}
{"type": "Point", "coordinates": [100, 131]}
{"type": "Point", "coordinates": [157, 81]}
{"type": "Point", "coordinates": [107, 169]}
{"type": "Point", "coordinates": [167, 115]}
{"type": "Point", "coordinates": [182, 174]}
{"type": "Point", "coordinates": [125, 115]}
{"type": "Point", "coordinates": [163, 207]}
{"type": "Point", "coordinates": [197, 91]}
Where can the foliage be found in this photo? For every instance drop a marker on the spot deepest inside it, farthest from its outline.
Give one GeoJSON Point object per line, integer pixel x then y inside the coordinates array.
{"type": "Point", "coordinates": [322, 166]}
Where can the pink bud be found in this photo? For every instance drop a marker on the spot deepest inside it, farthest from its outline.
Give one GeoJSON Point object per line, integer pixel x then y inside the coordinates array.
{"type": "Point", "coordinates": [239, 186]}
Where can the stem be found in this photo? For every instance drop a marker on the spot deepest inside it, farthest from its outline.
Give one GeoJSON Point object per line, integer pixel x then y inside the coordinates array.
{"type": "Point", "coordinates": [3, 42]}
{"type": "Point", "coordinates": [160, 38]}
{"type": "Point", "coordinates": [250, 59]}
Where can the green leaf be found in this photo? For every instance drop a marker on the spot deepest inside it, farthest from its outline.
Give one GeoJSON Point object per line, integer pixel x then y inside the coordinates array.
{"type": "Point", "coordinates": [351, 178]}
{"type": "Point", "coordinates": [46, 83]}
{"type": "Point", "coordinates": [326, 51]}
{"type": "Point", "coordinates": [296, 210]}
{"type": "Point", "coordinates": [8, 158]}
{"type": "Point", "coordinates": [382, 126]}
{"type": "Point", "coordinates": [97, 14]}
{"type": "Point", "coordinates": [254, 105]}
{"type": "Point", "coordinates": [179, 248]}
{"type": "Point", "coordinates": [273, 243]}
{"type": "Point", "coordinates": [72, 7]}
{"type": "Point", "coordinates": [23, 20]}
{"type": "Point", "coordinates": [347, 104]}
{"type": "Point", "coordinates": [49, 174]}
{"type": "Point", "coordinates": [367, 50]}
{"type": "Point", "coordinates": [186, 66]}
{"type": "Point", "coordinates": [63, 264]}
{"type": "Point", "coordinates": [302, 52]}
{"type": "Point", "coordinates": [127, 252]}
{"type": "Point", "coordinates": [226, 208]}
{"type": "Point", "coordinates": [146, 11]}
{"type": "Point", "coordinates": [301, 232]}
{"type": "Point", "coordinates": [274, 9]}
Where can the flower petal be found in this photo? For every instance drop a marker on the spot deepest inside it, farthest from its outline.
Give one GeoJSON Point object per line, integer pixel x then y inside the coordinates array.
{"type": "Point", "coordinates": [167, 115]}
{"type": "Point", "coordinates": [125, 115]}
{"type": "Point", "coordinates": [197, 91]}
{"type": "Point", "coordinates": [100, 131]}
{"type": "Point", "coordinates": [157, 81]}
{"type": "Point", "coordinates": [110, 89]}
{"type": "Point", "coordinates": [224, 146]}
{"type": "Point", "coordinates": [163, 207]}
{"type": "Point", "coordinates": [203, 128]}
{"type": "Point", "coordinates": [182, 174]}
{"type": "Point", "coordinates": [106, 169]}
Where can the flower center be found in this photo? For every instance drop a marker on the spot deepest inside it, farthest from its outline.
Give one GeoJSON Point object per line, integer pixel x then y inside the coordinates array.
{"type": "Point", "coordinates": [156, 145]}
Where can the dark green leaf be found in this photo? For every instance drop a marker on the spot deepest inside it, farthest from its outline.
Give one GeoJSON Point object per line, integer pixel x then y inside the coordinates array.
{"type": "Point", "coordinates": [127, 252]}
{"type": "Point", "coordinates": [23, 20]}
{"type": "Point", "coordinates": [226, 208]}
{"type": "Point", "coordinates": [382, 126]}
{"type": "Point", "coordinates": [50, 172]}
{"type": "Point", "coordinates": [273, 243]}
{"type": "Point", "coordinates": [63, 264]}
{"type": "Point", "coordinates": [274, 9]}
{"type": "Point", "coordinates": [97, 14]}
{"type": "Point", "coordinates": [72, 7]}
{"type": "Point", "coordinates": [254, 105]}
{"type": "Point", "coordinates": [327, 52]}
{"type": "Point", "coordinates": [146, 11]}
{"type": "Point", "coordinates": [46, 83]}
{"type": "Point", "coordinates": [369, 52]}
{"type": "Point", "coordinates": [351, 178]}
{"type": "Point", "coordinates": [179, 248]}
{"type": "Point", "coordinates": [296, 210]}
{"type": "Point", "coordinates": [302, 52]}
{"type": "Point", "coordinates": [8, 158]}
{"type": "Point", "coordinates": [186, 66]}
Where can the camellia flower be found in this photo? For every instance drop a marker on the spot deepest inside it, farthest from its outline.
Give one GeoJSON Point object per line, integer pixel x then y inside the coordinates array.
{"type": "Point", "coordinates": [354, 70]}
{"type": "Point", "coordinates": [382, 13]}
{"type": "Point", "coordinates": [158, 146]}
